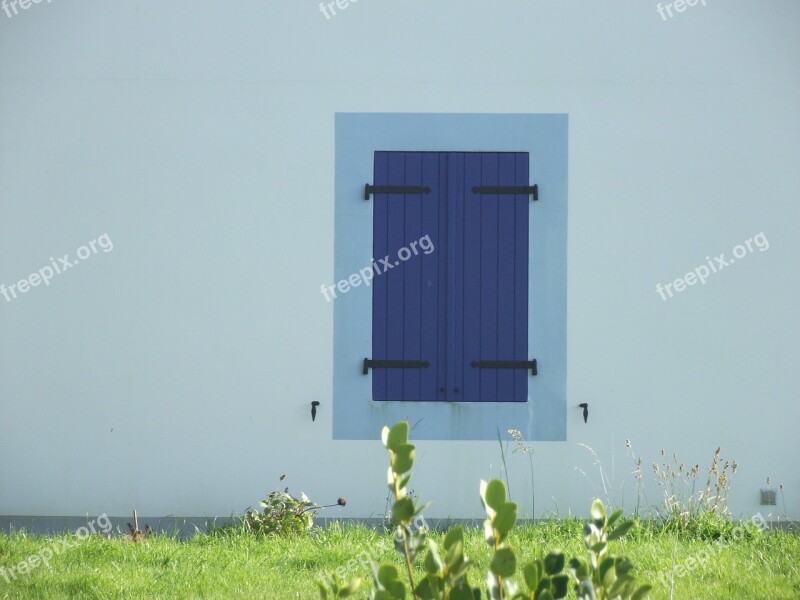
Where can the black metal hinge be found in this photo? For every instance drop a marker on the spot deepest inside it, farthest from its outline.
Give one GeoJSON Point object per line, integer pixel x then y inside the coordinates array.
{"type": "Point", "coordinates": [507, 364]}
{"type": "Point", "coordinates": [394, 189]}
{"type": "Point", "coordinates": [508, 189]}
{"type": "Point", "coordinates": [394, 364]}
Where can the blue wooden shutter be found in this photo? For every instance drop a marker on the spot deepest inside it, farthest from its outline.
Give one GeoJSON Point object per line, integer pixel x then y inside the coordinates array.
{"type": "Point", "coordinates": [408, 302]}
{"type": "Point", "coordinates": [492, 295]}
{"type": "Point", "coordinates": [467, 301]}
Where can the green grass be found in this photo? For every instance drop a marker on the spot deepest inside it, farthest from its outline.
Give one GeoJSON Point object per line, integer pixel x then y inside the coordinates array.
{"type": "Point", "coordinates": [233, 564]}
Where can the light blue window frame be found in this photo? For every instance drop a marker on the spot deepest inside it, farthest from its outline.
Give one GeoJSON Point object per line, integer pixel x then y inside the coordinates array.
{"type": "Point", "coordinates": [545, 137]}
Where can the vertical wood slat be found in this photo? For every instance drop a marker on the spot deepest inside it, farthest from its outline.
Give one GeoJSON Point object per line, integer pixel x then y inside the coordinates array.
{"type": "Point", "coordinates": [380, 240]}
{"type": "Point", "coordinates": [431, 309]}
{"type": "Point", "coordinates": [488, 282]}
{"type": "Point", "coordinates": [410, 271]}
{"type": "Point", "coordinates": [442, 258]}
{"type": "Point", "coordinates": [522, 205]}
{"type": "Point", "coordinates": [470, 316]}
{"type": "Point", "coordinates": [506, 283]}
{"type": "Point", "coordinates": [456, 264]}
{"type": "Point", "coordinates": [451, 206]}
{"type": "Point", "coordinates": [395, 312]}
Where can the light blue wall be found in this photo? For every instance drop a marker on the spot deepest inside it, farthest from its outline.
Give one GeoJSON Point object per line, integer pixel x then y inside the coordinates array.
{"type": "Point", "coordinates": [175, 374]}
{"type": "Point", "coordinates": [358, 136]}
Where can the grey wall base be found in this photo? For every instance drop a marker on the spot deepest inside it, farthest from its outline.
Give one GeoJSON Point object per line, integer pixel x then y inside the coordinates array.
{"type": "Point", "coordinates": [180, 526]}
{"type": "Point", "coordinates": [184, 527]}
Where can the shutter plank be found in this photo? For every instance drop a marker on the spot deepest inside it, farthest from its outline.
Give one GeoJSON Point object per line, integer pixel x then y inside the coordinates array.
{"type": "Point", "coordinates": [380, 241]}
{"type": "Point", "coordinates": [489, 268]}
{"type": "Point", "coordinates": [470, 316]}
{"type": "Point", "coordinates": [522, 205]}
{"type": "Point", "coordinates": [506, 261]}
{"type": "Point", "coordinates": [432, 307]}
{"type": "Point", "coordinates": [411, 273]}
{"type": "Point", "coordinates": [396, 316]}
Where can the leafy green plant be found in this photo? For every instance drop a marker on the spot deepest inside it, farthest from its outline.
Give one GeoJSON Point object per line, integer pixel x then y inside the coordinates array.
{"type": "Point", "coordinates": [503, 450]}
{"type": "Point", "coordinates": [445, 578]}
{"type": "Point", "coordinates": [545, 579]}
{"type": "Point", "coordinates": [502, 515]}
{"type": "Point", "coordinates": [284, 515]}
{"type": "Point", "coordinates": [605, 576]}
{"type": "Point", "coordinates": [336, 589]}
{"type": "Point", "coordinates": [601, 576]}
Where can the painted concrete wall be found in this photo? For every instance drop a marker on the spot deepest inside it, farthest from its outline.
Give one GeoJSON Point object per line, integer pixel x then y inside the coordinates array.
{"type": "Point", "coordinates": [174, 373]}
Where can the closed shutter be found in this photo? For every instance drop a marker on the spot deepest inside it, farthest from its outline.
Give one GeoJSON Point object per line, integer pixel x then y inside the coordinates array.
{"type": "Point", "coordinates": [493, 295]}
{"type": "Point", "coordinates": [408, 302]}
{"type": "Point", "coordinates": [461, 311]}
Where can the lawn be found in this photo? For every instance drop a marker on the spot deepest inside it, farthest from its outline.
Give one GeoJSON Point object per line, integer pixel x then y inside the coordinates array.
{"type": "Point", "coordinates": [234, 564]}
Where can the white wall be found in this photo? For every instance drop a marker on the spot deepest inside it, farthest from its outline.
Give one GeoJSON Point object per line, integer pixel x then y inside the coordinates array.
{"type": "Point", "coordinates": [174, 374]}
